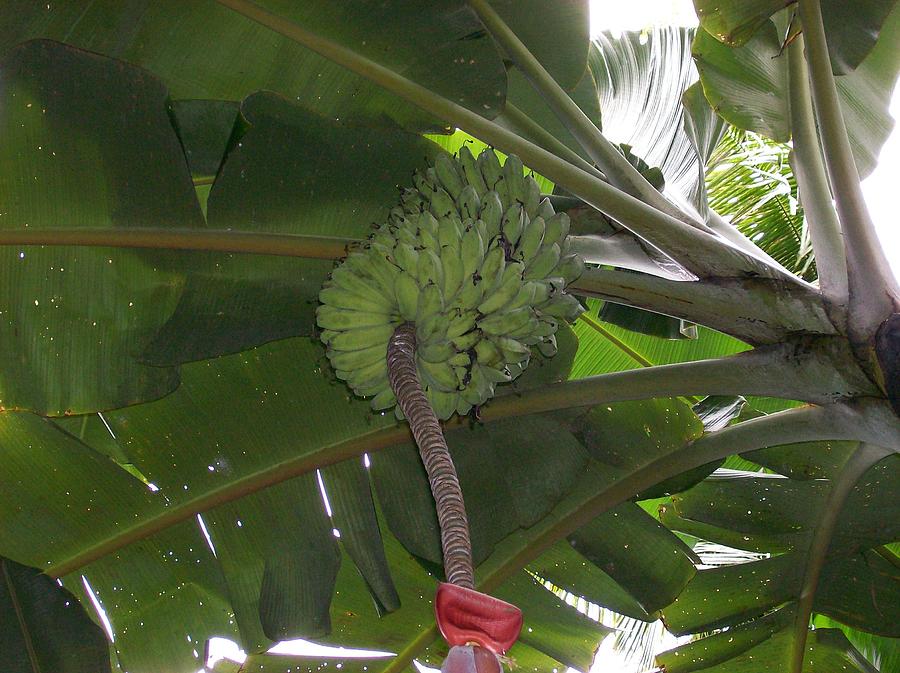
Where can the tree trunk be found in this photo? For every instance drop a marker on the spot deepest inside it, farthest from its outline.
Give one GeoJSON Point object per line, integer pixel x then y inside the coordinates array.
{"type": "Point", "coordinates": [451, 511]}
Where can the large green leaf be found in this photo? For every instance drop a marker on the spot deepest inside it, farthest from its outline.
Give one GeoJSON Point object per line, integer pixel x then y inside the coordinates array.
{"type": "Point", "coordinates": [43, 626]}
{"type": "Point", "coordinates": [855, 582]}
{"type": "Point", "coordinates": [275, 180]}
{"type": "Point", "coordinates": [748, 86]}
{"type": "Point", "coordinates": [852, 28]}
{"type": "Point", "coordinates": [202, 49]}
{"type": "Point", "coordinates": [87, 143]}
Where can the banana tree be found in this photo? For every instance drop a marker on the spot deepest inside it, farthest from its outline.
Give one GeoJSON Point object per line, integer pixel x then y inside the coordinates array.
{"type": "Point", "coordinates": [177, 180]}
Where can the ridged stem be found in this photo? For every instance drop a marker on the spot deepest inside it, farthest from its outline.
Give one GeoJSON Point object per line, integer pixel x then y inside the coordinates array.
{"type": "Point", "coordinates": [448, 498]}
{"type": "Point", "coordinates": [874, 293]}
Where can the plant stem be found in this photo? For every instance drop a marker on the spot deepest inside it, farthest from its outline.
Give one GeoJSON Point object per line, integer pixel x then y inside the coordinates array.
{"type": "Point", "coordinates": [261, 243]}
{"type": "Point", "coordinates": [517, 121]}
{"type": "Point", "coordinates": [841, 487]}
{"type": "Point", "coordinates": [872, 288]}
{"type": "Point", "coordinates": [703, 253]}
{"type": "Point", "coordinates": [612, 162]}
{"type": "Point", "coordinates": [448, 497]}
{"type": "Point", "coordinates": [758, 311]}
{"type": "Point", "coordinates": [806, 160]}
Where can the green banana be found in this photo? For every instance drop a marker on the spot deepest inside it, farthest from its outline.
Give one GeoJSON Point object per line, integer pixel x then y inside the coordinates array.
{"type": "Point", "coordinates": [513, 350]}
{"type": "Point", "coordinates": [407, 291]}
{"type": "Point", "coordinates": [514, 179]}
{"type": "Point", "coordinates": [443, 403]}
{"type": "Point", "coordinates": [430, 268]}
{"type": "Point", "coordinates": [331, 318]}
{"type": "Point", "coordinates": [383, 400]}
{"type": "Point", "coordinates": [487, 353]}
{"type": "Point", "coordinates": [466, 341]}
{"type": "Point", "coordinates": [530, 240]}
{"type": "Point", "coordinates": [431, 302]}
{"type": "Point", "coordinates": [490, 169]}
{"type": "Point", "coordinates": [532, 199]}
{"type": "Point", "coordinates": [441, 351]}
{"type": "Point", "coordinates": [547, 347]}
{"type": "Point", "coordinates": [471, 250]}
{"type": "Point", "coordinates": [469, 202]}
{"type": "Point", "coordinates": [491, 214]}
{"type": "Point", "coordinates": [407, 258]}
{"type": "Point", "coordinates": [340, 297]}
{"type": "Point", "coordinates": [352, 360]}
{"type": "Point", "coordinates": [545, 210]}
{"type": "Point", "coordinates": [512, 224]}
{"type": "Point", "coordinates": [492, 268]}
{"type": "Point", "coordinates": [543, 263]}
{"type": "Point", "coordinates": [470, 293]}
{"type": "Point", "coordinates": [471, 171]}
{"type": "Point", "coordinates": [556, 229]}
{"type": "Point", "coordinates": [570, 267]}
{"type": "Point", "coordinates": [452, 265]}
{"type": "Point", "coordinates": [442, 204]}
{"type": "Point", "coordinates": [449, 175]}
{"type": "Point", "coordinates": [355, 339]}
{"type": "Point", "coordinates": [440, 375]}
{"type": "Point", "coordinates": [563, 306]}
{"type": "Point", "coordinates": [505, 290]}
{"type": "Point", "coordinates": [449, 231]}
{"type": "Point", "coordinates": [504, 322]}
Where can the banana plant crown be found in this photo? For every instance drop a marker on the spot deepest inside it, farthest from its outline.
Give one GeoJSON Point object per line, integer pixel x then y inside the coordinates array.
{"type": "Point", "coordinates": [477, 261]}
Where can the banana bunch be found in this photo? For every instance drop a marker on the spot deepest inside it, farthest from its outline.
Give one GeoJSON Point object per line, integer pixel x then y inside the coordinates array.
{"type": "Point", "coordinates": [477, 261]}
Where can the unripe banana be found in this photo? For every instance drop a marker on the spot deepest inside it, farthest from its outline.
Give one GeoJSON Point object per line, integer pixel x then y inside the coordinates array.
{"type": "Point", "coordinates": [430, 268]}
{"type": "Point", "coordinates": [508, 287]}
{"type": "Point", "coordinates": [470, 293]}
{"type": "Point", "coordinates": [452, 265]}
{"type": "Point", "coordinates": [570, 267]}
{"type": "Point", "coordinates": [476, 261]}
{"type": "Point", "coordinates": [492, 268]}
{"type": "Point", "coordinates": [407, 258]}
{"type": "Point", "coordinates": [543, 263]}
{"type": "Point", "coordinates": [356, 339]}
{"type": "Point", "coordinates": [384, 400]}
{"type": "Point", "coordinates": [557, 228]}
{"type": "Point", "coordinates": [442, 204]}
{"type": "Point", "coordinates": [513, 223]}
{"type": "Point", "coordinates": [340, 297]}
{"type": "Point", "coordinates": [439, 375]}
{"type": "Point", "coordinates": [448, 173]}
{"type": "Point", "coordinates": [441, 351]}
{"type": "Point", "coordinates": [532, 199]}
{"type": "Point", "coordinates": [450, 231]}
{"type": "Point", "coordinates": [514, 179]}
{"type": "Point", "coordinates": [563, 306]}
{"type": "Point", "coordinates": [491, 214]}
{"type": "Point", "coordinates": [471, 171]}
{"type": "Point", "coordinates": [547, 347]}
{"type": "Point", "coordinates": [431, 302]}
{"type": "Point", "coordinates": [353, 360]}
{"type": "Point", "coordinates": [505, 322]}
{"type": "Point", "coordinates": [530, 241]}
{"type": "Point", "coordinates": [471, 251]}
{"type": "Point", "coordinates": [331, 318]}
{"type": "Point", "coordinates": [490, 169]}
{"type": "Point", "coordinates": [406, 290]}
{"type": "Point", "coordinates": [469, 202]}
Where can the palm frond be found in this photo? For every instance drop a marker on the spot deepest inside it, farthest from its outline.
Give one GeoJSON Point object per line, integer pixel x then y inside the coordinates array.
{"type": "Point", "coordinates": [750, 182]}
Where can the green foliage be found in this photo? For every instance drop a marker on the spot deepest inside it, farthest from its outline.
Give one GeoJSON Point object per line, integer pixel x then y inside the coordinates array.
{"type": "Point", "coordinates": [170, 422]}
